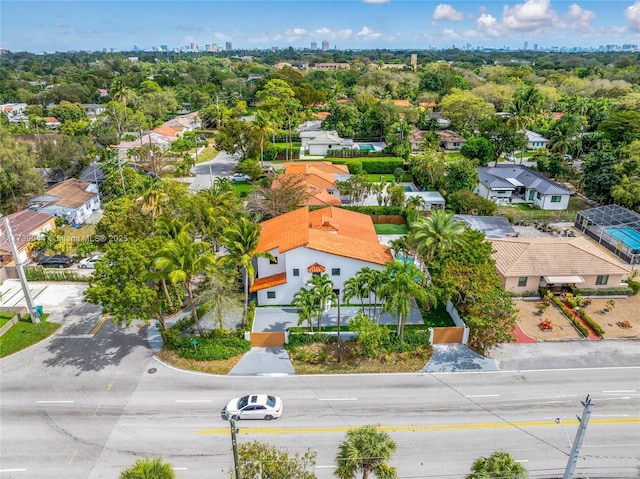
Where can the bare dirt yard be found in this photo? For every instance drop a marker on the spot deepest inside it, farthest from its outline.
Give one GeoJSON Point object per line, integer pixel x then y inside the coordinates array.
{"type": "Point", "coordinates": [624, 310]}
{"type": "Point", "coordinates": [529, 319]}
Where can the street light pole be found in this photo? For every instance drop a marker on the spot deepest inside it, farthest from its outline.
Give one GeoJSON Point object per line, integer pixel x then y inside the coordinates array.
{"type": "Point", "coordinates": [234, 446]}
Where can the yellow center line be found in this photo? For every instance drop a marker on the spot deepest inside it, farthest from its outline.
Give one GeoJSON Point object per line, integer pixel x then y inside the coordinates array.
{"type": "Point", "coordinates": [75, 453]}
{"type": "Point", "coordinates": [99, 325]}
{"type": "Point", "coordinates": [435, 427]}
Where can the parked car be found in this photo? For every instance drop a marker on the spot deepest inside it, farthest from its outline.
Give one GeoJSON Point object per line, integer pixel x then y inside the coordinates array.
{"type": "Point", "coordinates": [89, 263]}
{"type": "Point", "coordinates": [509, 157]}
{"type": "Point", "coordinates": [253, 406]}
{"type": "Point", "coordinates": [56, 261]}
{"type": "Point", "coordinates": [238, 178]}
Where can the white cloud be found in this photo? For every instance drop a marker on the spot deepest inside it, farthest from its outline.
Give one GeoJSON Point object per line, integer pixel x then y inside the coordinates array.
{"type": "Point", "coordinates": [367, 34]}
{"type": "Point", "coordinates": [447, 12]}
{"type": "Point", "coordinates": [345, 34]}
{"type": "Point", "coordinates": [488, 25]}
{"type": "Point", "coordinates": [449, 33]}
{"type": "Point", "coordinates": [580, 19]}
{"type": "Point", "coordinates": [530, 16]}
{"type": "Point", "coordinates": [632, 13]}
{"type": "Point", "coordinates": [324, 31]}
{"type": "Point", "coordinates": [295, 32]}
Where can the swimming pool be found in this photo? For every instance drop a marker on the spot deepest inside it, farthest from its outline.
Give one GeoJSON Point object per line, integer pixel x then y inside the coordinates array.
{"type": "Point", "coordinates": [627, 236]}
{"type": "Point", "coordinates": [408, 188]}
{"type": "Point", "coordinates": [367, 147]}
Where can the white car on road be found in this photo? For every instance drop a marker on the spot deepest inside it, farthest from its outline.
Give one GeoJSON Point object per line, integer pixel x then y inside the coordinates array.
{"type": "Point", "coordinates": [89, 263]}
{"type": "Point", "coordinates": [238, 178]}
{"type": "Point", "coordinates": [253, 406]}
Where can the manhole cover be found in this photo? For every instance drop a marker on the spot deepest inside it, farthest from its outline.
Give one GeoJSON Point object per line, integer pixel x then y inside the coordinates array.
{"type": "Point", "coordinates": [152, 370]}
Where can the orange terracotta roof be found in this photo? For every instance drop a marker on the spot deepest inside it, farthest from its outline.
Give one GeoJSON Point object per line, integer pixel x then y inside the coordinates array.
{"type": "Point", "coordinates": [316, 197]}
{"type": "Point", "coordinates": [331, 230]}
{"type": "Point", "coordinates": [168, 130]}
{"type": "Point", "coordinates": [322, 115]}
{"type": "Point", "coordinates": [316, 268]}
{"type": "Point", "coordinates": [401, 102]}
{"type": "Point", "coordinates": [315, 167]}
{"type": "Point", "coordinates": [428, 104]}
{"type": "Point", "coordinates": [268, 282]}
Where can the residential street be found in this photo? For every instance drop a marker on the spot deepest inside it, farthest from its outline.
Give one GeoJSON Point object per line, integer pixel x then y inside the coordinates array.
{"type": "Point", "coordinates": [222, 165]}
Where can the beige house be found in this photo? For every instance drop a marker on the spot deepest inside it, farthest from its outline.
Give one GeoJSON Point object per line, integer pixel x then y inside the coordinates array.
{"type": "Point", "coordinates": [450, 140]}
{"type": "Point", "coordinates": [525, 264]}
{"type": "Point", "coordinates": [27, 226]}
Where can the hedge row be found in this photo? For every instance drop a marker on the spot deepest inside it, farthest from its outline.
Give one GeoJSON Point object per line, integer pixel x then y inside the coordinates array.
{"type": "Point", "coordinates": [218, 344]}
{"type": "Point", "coordinates": [569, 314]}
{"type": "Point", "coordinates": [38, 273]}
{"type": "Point", "coordinates": [373, 166]}
{"type": "Point", "coordinates": [604, 292]}
{"type": "Point", "coordinates": [592, 324]}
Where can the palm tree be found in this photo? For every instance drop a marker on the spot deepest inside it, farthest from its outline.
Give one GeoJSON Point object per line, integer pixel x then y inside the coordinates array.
{"type": "Point", "coordinates": [148, 468]}
{"type": "Point", "coordinates": [181, 259]}
{"type": "Point", "coordinates": [366, 450]}
{"type": "Point", "coordinates": [151, 203]}
{"type": "Point", "coordinates": [402, 287]}
{"type": "Point", "coordinates": [241, 241]}
{"type": "Point", "coordinates": [307, 305]}
{"type": "Point", "coordinates": [431, 236]}
{"type": "Point", "coordinates": [323, 289]}
{"type": "Point", "coordinates": [499, 465]}
{"type": "Point", "coordinates": [356, 287]}
{"type": "Point", "coordinates": [264, 123]}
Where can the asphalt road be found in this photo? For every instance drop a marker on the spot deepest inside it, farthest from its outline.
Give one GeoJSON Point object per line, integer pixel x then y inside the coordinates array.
{"type": "Point", "coordinates": [205, 172]}
{"type": "Point", "coordinates": [92, 399]}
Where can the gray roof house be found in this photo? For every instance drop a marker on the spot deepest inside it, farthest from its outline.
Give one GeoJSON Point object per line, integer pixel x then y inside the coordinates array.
{"type": "Point", "coordinates": [504, 184]}
{"type": "Point", "coordinates": [535, 140]}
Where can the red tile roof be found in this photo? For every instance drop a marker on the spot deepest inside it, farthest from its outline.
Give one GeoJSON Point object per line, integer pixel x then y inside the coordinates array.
{"type": "Point", "coordinates": [330, 230]}
{"type": "Point", "coordinates": [316, 268]}
{"type": "Point", "coordinates": [268, 282]}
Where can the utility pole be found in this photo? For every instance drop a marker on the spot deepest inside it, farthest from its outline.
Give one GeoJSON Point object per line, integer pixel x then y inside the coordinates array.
{"type": "Point", "coordinates": [234, 445]}
{"type": "Point", "coordinates": [574, 455]}
{"type": "Point", "coordinates": [339, 345]}
{"type": "Point", "coordinates": [35, 316]}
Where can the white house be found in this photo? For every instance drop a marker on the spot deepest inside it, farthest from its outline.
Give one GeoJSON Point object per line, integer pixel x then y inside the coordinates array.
{"type": "Point", "coordinates": [535, 140]}
{"type": "Point", "coordinates": [15, 112]}
{"type": "Point", "coordinates": [504, 183]}
{"type": "Point", "coordinates": [74, 200]}
{"type": "Point", "coordinates": [304, 243]}
{"type": "Point", "coordinates": [433, 200]}
{"type": "Point", "coordinates": [318, 142]}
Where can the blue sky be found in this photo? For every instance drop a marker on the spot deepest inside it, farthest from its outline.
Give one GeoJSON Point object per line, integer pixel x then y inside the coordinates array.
{"type": "Point", "coordinates": [412, 24]}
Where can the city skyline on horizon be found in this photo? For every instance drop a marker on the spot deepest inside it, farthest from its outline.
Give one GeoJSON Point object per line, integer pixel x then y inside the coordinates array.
{"type": "Point", "coordinates": [96, 25]}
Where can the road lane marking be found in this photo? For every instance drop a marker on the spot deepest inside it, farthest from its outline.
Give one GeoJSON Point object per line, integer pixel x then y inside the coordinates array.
{"type": "Point", "coordinates": [53, 402]}
{"type": "Point", "coordinates": [621, 391]}
{"type": "Point", "coordinates": [96, 411]}
{"type": "Point", "coordinates": [338, 399]}
{"type": "Point", "coordinates": [12, 470]}
{"type": "Point", "coordinates": [483, 396]}
{"type": "Point", "coordinates": [194, 400]}
{"type": "Point", "coordinates": [114, 379]}
{"type": "Point", "coordinates": [100, 323]}
{"type": "Point", "coordinates": [413, 428]}
{"type": "Point", "coordinates": [75, 453]}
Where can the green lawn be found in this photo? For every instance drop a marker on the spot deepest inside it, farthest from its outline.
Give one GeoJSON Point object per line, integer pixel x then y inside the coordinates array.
{"type": "Point", "coordinates": [385, 178]}
{"type": "Point", "coordinates": [242, 188]}
{"type": "Point", "coordinates": [389, 229]}
{"type": "Point", "coordinates": [25, 333]}
{"type": "Point", "coordinates": [522, 212]}
{"type": "Point", "coordinates": [207, 154]}
{"type": "Point", "coordinates": [437, 317]}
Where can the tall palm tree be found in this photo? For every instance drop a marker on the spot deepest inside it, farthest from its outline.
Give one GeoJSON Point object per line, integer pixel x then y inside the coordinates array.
{"type": "Point", "coordinates": [307, 305]}
{"type": "Point", "coordinates": [182, 259]}
{"type": "Point", "coordinates": [499, 465]}
{"type": "Point", "coordinates": [431, 236]}
{"type": "Point", "coordinates": [241, 241]}
{"type": "Point", "coordinates": [355, 287]}
{"type": "Point", "coordinates": [366, 450]}
{"type": "Point", "coordinates": [151, 203]}
{"type": "Point", "coordinates": [403, 286]}
{"type": "Point", "coordinates": [264, 123]}
{"type": "Point", "coordinates": [322, 287]}
{"type": "Point", "coordinates": [148, 468]}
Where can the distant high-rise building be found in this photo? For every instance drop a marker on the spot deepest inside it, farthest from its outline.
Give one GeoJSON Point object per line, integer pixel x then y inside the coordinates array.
{"type": "Point", "coordinates": [314, 46]}
{"type": "Point", "coordinates": [135, 48]}
{"type": "Point", "coordinates": [193, 46]}
{"type": "Point", "coordinates": [525, 46]}
{"type": "Point", "coordinates": [164, 48]}
{"type": "Point", "coordinates": [535, 46]}
{"type": "Point", "coordinates": [325, 45]}
{"type": "Point", "coordinates": [228, 46]}
{"type": "Point", "coordinates": [414, 61]}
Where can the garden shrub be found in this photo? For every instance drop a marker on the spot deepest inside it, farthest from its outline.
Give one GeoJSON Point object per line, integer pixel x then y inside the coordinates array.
{"type": "Point", "coordinates": [304, 339]}
{"type": "Point", "coordinates": [569, 314]}
{"type": "Point", "coordinates": [634, 285]}
{"type": "Point", "coordinates": [38, 273]}
{"type": "Point", "coordinates": [355, 166]}
{"type": "Point", "coordinates": [210, 348]}
{"type": "Point", "coordinates": [592, 324]}
{"type": "Point", "coordinates": [370, 335]}
{"type": "Point", "coordinates": [621, 291]}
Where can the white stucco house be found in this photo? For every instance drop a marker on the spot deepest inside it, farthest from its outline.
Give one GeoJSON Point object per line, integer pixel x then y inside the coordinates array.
{"type": "Point", "coordinates": [505, 183]}
{"type": "Point", "coordinates": [535, 140]}
{"type": "Point", "coordinates": [318, 142]}
{"type": "Point", "coordinates": [305, 243]}
{"type": "Point", "coordinates": [74, 200]}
